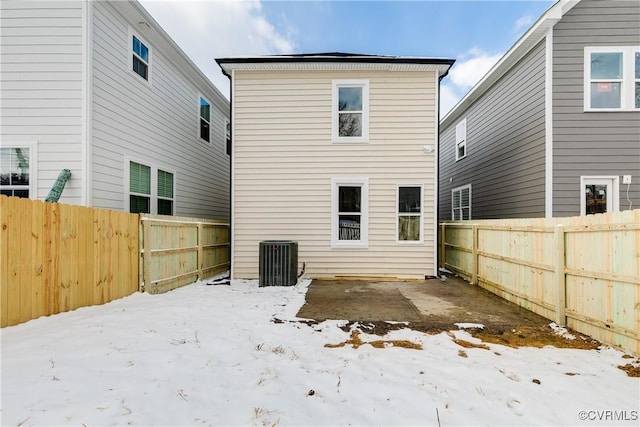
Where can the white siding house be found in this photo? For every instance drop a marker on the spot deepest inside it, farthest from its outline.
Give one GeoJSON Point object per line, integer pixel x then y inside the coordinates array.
{"type": "Point", "coordinates": [337, 153]}
{"type": "Point", "coordinates": [100, 89]}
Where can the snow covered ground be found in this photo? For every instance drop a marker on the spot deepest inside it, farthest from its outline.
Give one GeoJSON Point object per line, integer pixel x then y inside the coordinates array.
{"type": "Point", "coordinates": [213, 355]}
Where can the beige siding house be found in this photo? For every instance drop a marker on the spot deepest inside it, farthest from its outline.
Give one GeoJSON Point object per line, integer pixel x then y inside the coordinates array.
{"type": "Point", "coordinates": [337, 152]}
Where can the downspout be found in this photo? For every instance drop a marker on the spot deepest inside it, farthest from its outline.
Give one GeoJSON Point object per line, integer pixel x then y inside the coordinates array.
{"type": "Point", "coordinates": [437, 181]}
{"type": "Point", "coordinates": [231, 170]}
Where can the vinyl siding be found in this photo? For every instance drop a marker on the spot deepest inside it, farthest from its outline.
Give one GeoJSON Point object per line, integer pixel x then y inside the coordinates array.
{"type": "Point", "coordinates": [505, 161]}
{"type": "Point", "coordinates": [591, 143]}
{"type": "Point", "coordinates": [284, 161]}
{"type": "Point", "coordinates": [42, 88]}
{"type": "Point", "coordinates": [155, 124]}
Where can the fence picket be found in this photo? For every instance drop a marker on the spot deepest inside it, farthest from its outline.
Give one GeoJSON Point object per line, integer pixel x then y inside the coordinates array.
{"type": "Point", "coordinates": [592, 280]}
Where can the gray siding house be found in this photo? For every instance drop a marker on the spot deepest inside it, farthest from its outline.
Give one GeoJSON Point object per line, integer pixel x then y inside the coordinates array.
{"type": "Point", "coordinates": [553, 129]}
{"type": "Point", "coordinates": [100, 89]}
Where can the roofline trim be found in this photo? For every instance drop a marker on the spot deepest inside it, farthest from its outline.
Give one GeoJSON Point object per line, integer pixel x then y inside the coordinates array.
{"type": "Point", "coordinates": [311, 62]}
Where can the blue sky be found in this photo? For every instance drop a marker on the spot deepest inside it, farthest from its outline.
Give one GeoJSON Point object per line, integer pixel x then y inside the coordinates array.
{"type": "Point", "coordinates": [475, 33]}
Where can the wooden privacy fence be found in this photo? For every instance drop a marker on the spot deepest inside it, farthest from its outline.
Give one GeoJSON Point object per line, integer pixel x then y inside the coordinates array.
{"type": "Point", "coordinates": [180, 251]}
{"type": "Point", "coordinates": [583, 272]}
{"type": "Point", "coordinates": [57, 257]}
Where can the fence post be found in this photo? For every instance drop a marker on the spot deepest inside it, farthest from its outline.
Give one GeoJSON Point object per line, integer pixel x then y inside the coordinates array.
{"type": "Point", "coordinates": [442, 245]}
{"type": "Point", "coordinates": [146, 255]}
{"type": "Point", "coordinates": [561, 292]}
{"type": "Point", "coordinates": [474, 252]}
{"type": "Point", "coordinates": [200, 249]}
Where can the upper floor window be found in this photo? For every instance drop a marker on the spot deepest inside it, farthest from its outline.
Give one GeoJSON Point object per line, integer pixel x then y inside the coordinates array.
{"type": "Point", "coordinates": [14, 171]}
{"type": "Point", "coordinates": [461, 140]}
{"type": "Point", "coordinates": [205, 119]}
{"type": "Point", "coordinates": [140, 57]}
{"type": "Point", "coordinates": [350, 111]}
{"type": "Point", "coordinates": [151, 190]}
{"type": "Point", "coordinates": [461, 203]}
{"type": "Point", "coordinates": [612, 78]}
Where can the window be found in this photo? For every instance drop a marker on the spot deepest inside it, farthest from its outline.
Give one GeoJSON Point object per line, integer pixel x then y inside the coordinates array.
{"type": "Point", "coordinates": [14, 171]}
{"type": "Point", "coordinates": [350, 111]}
{"type": "Point", "coordinates": [612, 78]}
{"type": "Point", "coordinates": [461, 203]}
{"type": "Point", "coordinates": [165, 193]}
{"type": "Point", "coordinates": [349, 213]}
{"type": "Point", "coordinates": [227, 134]}
{"type": "Point", "coordinates": [205, 119]}
{"type": "Point", "coordinates": [140, 57]}
{"type": "Point", "coordinates": [461, 140]}
{"type": "Point", "coordinates": [151, 190]}
{"type": "Point", "coordinates": [139, 188]}
{"type": "Point", "coordinates": [599, 194]}
{"type": "Point", "coordinates": [410, 214]}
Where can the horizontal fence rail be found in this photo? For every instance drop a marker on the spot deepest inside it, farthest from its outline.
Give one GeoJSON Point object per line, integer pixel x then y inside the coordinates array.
{"type": "Point", "coordinates": [176, 251]}
{"type": "Point", "coordinates": [583, 272]}
{"type": "Point", "coordinates": [56, 257]}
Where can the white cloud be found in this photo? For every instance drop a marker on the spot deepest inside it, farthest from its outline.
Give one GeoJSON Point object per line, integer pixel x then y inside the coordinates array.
{"type": "Point", "coordinates": [523, 22]}
{"type": "Point", "coordinates": [448, 98]}
{"type": "Point", "coordinates": [467, 71]}
{"type": "Point", "coordinates": [206, 30]}
{"type": "Point", "coordinates": [469, 68]}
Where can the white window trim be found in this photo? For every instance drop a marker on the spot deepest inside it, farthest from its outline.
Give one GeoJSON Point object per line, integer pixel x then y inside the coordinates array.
{"type": "Point", "coordinates": [364, 84]}
{"type": "Point", "coordinates": [601, 180]}
{"type": "Point", "coordinates": [33, 161]}
{"type": "Point", "coordinates": [461, 139]}
{"type": "Point", "coordinates": [153, 202]}
{"type": "Point", "coordinates": [470, 200]}
{"type": "Point", "coordinates": [363, 243]}
{"type": "Point", "coordinates": [210, 114]}
{"type": "Point", "coordinates": [627, 101]}
{"type": "Point", "coordinates": [398, 215]}
{"type": "Point", "coordinates": [130, 57]}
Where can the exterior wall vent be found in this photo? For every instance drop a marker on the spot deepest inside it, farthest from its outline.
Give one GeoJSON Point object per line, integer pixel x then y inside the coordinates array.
{"type": "Point", "coordinates": [278, 263]}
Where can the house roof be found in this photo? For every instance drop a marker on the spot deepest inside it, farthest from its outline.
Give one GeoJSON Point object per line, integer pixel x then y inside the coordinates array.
{"type": "Point", "coordinates": [527, 42]}
{"type": "Point", "coordinates": [335, 61]}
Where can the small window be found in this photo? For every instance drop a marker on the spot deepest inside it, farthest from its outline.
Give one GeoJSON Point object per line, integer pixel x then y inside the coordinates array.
{"type": "Point", "coordinates": [205, 119]}
{"type": "Point", "coordinates": [140, 58]}
{"type": "Point", "coordinates": [612, 78]}
{"type": "Point", "coordinates": [14, 172]}
{"type": "Point", "coordinates": [165, 193]}
{"type": "Point", "coordinates": [410, 214]}
{"type": "Point", "coordinates": [139, 188]}
{"type": "Point", "coordinates": [151, 190]}
{"type": "Point", "coordinates": [461, 203]}
{"type": "Point", "coordinates": [461, 140]}
{"type": "Point", "coordinates": [349, 213]}
{"type": "Point", "coordinates": [599, 194]}
{"type": "Point", "coordinates": [227, 134]}
{"type": "Point", "coordinates": [350, 111]}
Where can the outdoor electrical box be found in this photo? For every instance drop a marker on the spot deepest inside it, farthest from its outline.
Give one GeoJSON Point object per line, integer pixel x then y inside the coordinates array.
{"type": "Point", "coordinates": [278, 263]}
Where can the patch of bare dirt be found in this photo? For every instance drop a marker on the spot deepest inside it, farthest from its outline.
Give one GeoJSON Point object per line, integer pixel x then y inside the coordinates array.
{"type": "Point", "coordinates": [534, 336]}
{"type": "Point", "coordinates": [632, 370]}
{"type": "Point", "coordinates": [356, 342]}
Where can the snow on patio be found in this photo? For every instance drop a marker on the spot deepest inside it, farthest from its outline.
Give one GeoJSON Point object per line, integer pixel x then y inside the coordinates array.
{"type": "Point", "coordinates": [213, 355]}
